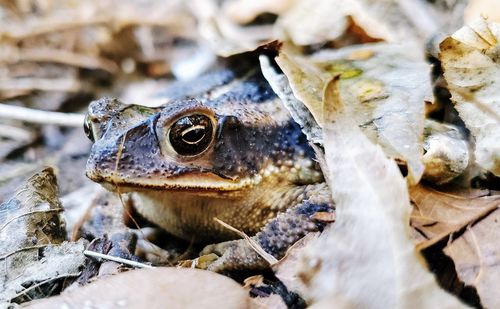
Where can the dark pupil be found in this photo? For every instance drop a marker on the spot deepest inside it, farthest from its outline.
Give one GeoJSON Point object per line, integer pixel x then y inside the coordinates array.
{"type": "Point", "coordinates": [191, 135]}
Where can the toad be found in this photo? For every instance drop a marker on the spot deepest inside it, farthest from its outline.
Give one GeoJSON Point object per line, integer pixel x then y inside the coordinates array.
{"type": "Point", "coordinates": [222, 146]}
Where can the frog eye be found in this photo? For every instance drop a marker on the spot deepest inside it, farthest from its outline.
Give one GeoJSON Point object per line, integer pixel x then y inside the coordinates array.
{"type": "Point", "coordinates": [87, 128]}
{"type": "Point", "coordinates": [191, 135]}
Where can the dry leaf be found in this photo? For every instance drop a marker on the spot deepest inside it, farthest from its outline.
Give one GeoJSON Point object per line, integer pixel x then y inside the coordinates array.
{"type": "Point", "coordinates": [224, 35]}
{"type": "Point", "coordinates": [478, 8]}
{"type": "Point", "coordinates": [32, 216]}
{"type": "Point", "coordinates": [37, 272]}
{"type": "Point", "coordinates": [318, 21]}
{"type": "Point", "coordinates": [477, 258]}
{"type": "Point", "coordinates": [470, 60]}
{"type": "Point", "coordinates": [244, 11]}
{"type": "Point", "coordinates": [35, 260]}
{"type": "Point", "coordinates": [437, 214]}
{"type": "Point", "coordinates": [366, 259]}
{"type": "Point", "coordinates": [156, 288]}
{"type": "Point", "coordinates": [300, 113]}
{"type": "Point", "coordinates": [287, 268]}
{"type": "Point", "coordinates": [384, 87]}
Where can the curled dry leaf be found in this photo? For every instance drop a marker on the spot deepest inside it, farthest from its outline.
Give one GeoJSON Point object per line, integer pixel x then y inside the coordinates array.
{"type": "Point", "coordinates": [437, 214]}
{"type": "Point", "coordinates": [156, 288]}
{"type": "Point", "coordinates": [31, 242]}
{"type": "Point", "coordinates": [297, 109]}
{"type": "Point", "coordinates": [471, 64]}
{"type": "Point", "coordinates": [388, 108]}
{"type": "Point", "coordinates": [477, 258]}
{"type": "Point", "coordinates": [366, 259]}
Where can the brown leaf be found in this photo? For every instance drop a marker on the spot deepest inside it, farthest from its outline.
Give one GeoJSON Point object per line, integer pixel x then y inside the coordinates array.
{"type": "Point", "coordinates": [156, 288]}
{"type": "Point", "coordinates": [437, 214]}
{"type": "Point", "coordinates": [477, 258]}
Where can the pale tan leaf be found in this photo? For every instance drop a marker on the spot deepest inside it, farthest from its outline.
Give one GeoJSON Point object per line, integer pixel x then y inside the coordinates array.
{"type": "Point", "coordinates": [437, 214]}
{"type": "Point", "coordinates": [470, 60]}
{"type": "Point", "coordinates": [156, 288]}
{"type": "Point", "coordinates": [318, 21]}
{"type": "Point", "coordinates": [477, 258]}
{"type": "Point", "coordinates": [287, 268]}
{"type": "Point", "coordinates": [224, 35]}
{"type": "Point", "coordinates": [366, 259]}
{"type": "Point", "coordinates": [487, 8]}
{"type": "Point", "coordinates": [383, 87]}
{"type": "Point", "coordinates": [244, 11]}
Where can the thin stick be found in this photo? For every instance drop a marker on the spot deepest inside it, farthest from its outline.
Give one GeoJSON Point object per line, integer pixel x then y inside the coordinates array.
{"type": "Point", "coordinates": [42, 117]}
{"type": "Point", "coordinates": [116, 259]}
{"type": "Point", "coordinates": [252, 243]}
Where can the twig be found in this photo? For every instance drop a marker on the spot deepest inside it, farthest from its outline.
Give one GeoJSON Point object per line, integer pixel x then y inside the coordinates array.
{"type": "Point", "coordinates": [266, 256]}
{"type": "Point", "coordinates": [42, 117]}
{"type": "Point", "coordinates": [68, 84]}
{"type": "Point", "coordinates": [14, 133]}
{"type": "Point", "coordinates": [58, 56]}
{"type": "Point", "coordinates": [116, 259]}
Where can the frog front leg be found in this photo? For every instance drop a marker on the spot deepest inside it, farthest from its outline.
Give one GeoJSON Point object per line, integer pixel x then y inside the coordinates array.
{"type": "Point", "coordinates": [275, 238]}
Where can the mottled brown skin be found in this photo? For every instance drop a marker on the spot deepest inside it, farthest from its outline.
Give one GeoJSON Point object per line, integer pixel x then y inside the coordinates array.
{"type": "Point", "coordinates": [222, 147]}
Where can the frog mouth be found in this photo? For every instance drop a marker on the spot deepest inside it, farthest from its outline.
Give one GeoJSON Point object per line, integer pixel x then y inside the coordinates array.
{"type": "Point", "coordinates": [192, 182]}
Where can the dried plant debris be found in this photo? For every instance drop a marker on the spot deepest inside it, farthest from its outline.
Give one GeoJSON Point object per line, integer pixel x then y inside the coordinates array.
{"type": "Point", "coordinates": [297, 109]}
{"type": "Point", "coordinates": [45, 45]}
{"type": "Point", "coordinates": [286, 268]}
{"type": "Point", "coordinates": [482, 8]}
{"type": "Point", "coordinates": [436, 215]}
{"type": "Point", "coordinates": [36, 259]}
{"type": "Point", "coordinates": [318, 21]}
{"type": "Point", "coordinates": [226, 25]}
{"type": "Point", "coordinates": [14, 137]}
{"type": "Point", "coordinates": [32, 215]}
{"type": "Point", "coordinates": [366, 258]}
{"type": "Point", "coordinates": [156, 288]}
{"type": "Point", "coordinates": [352, 75]}
{"type": "Point", "coordinates": [388, 108]}
{"type": "Point", "coordinates": [232, 27]}
{"type": "Point", "coordinates": [470, 60]}
{"type": "Point", "coordinates": [446, 152]}
{"type": "Point", "coordinates": [476, 255]}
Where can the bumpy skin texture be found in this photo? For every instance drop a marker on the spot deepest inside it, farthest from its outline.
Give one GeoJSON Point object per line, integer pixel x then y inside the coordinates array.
{"type": "Point", "coordinates": [257, 174]}
{"type": "Point", "coordinates": [276, 236]}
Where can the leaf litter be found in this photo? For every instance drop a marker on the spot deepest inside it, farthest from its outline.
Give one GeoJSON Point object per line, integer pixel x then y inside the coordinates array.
{"type": "Point", "coordinates": [366, 256]}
